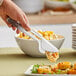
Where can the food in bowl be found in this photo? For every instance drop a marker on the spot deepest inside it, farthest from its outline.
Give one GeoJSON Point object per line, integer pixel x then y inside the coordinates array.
{"type": "Point", "coordinates": [54, 69]}
{"type": "Point", "coordinates": [49, 35]}
{"type": "Point", "coordinates": [32, 47]}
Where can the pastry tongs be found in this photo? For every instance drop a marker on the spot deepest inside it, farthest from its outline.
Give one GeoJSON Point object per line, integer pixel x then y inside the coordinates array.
{"type": "Point", "coordinates": [44, 45]}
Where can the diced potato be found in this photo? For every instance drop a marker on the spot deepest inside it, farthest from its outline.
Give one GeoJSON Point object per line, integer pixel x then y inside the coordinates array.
{"type": "Point", "coordinates": [40, 70]}
{"type": "Point", "coordinates": [71, 71]}
{"type": "Point", "coordinates": [64, 71]}
{"type": "Point", "coordinates": [45, 34]}
{"type": "Point", "coordinates": [21, 35]}
{"type": "Point", "coordinates": [75, 66]}
{"type": "Point", "coordinates": [47, 38]}
{"type": "Point", "coordinates": [44, 70]}
{"type": "Point", "coordinates": [64, 65]}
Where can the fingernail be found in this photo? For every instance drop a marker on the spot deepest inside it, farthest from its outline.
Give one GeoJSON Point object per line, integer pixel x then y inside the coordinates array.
{"type": "Point", "coordinates": [28, 29]}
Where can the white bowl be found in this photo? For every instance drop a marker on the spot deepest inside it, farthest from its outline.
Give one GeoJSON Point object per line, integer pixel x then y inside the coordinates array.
{"type": "Point", "coordinates": [31, 47]}
{"type": "Point", "coordinates": [56, 4]}
{"type": "Point", "coordinates": [30, 6]}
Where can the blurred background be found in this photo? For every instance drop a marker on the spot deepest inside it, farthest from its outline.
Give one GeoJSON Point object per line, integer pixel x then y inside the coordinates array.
{"type": "Point", "coordinates": [52, 15]}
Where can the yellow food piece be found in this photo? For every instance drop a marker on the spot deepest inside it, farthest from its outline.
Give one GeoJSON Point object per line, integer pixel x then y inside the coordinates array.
{"type": "Point", "coordinates": [64, 65]}
{"type": "Point", "coordinates": [64, 71]}
{"type": "Point", "coordinates": [40, 70]}
{"type": "Point", "coordinates": [43, 70]}
{"type": "Point", "coordinates": [74, 66]}
{"type": "Point", "coordinates": [46, 70]}
{"type": "Point", "coordinates": [47, 33]}
{"type": "Point", "coordinates": [21, 35]}
{"type": "Point", "coordinates": [47, 38]}
{"type": "Point", "coordinates": [71, 71]}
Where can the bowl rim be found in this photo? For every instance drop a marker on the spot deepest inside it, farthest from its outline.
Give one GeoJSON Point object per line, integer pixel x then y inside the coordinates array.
{"type": "Point", "coordinates": [16, 36]}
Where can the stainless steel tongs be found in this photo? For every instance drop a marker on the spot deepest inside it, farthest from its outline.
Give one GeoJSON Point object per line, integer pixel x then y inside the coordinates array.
{"type": "Point", "coordinates": [44, 45]}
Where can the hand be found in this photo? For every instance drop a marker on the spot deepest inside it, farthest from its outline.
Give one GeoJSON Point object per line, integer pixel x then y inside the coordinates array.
{"type": "Point", "coordinates": [8, 8]}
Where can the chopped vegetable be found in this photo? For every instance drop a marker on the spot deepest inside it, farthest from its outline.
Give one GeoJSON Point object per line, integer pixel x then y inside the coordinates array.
{"type": "Point", "coordinates": [52, 56]}
{"type": "Point", "coordinates": [64, 65]}
{"type": "Point", "coordinates": [49, 69]}
{"type": "Point", "coordinates": [71, 71]}
{"type": "Point", "coordinates": [35, 67]}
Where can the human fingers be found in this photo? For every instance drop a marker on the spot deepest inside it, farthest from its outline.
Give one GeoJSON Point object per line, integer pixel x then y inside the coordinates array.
{"type": "Point", "coordinates": [4, 17]}
{"type": "Point", "coordinates": [13, 28]}
{"type": "Point", "coordinates": [23, 21]}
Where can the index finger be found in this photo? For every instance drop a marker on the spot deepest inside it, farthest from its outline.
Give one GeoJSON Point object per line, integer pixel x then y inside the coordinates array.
{"type": "Point", "coordinates": [24, 22]}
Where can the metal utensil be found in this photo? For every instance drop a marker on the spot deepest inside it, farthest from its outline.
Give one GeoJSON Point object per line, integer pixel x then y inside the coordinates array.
{"type": "Point", "coordinates": [44, 45]}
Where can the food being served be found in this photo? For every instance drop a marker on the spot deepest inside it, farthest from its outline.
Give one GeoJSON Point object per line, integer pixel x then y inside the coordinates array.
{"type": "Point", "coordinates": [52, 56]}
{"type": "Point", "coordinates": [60, 68]}
{"type": "Point", "coordinates": [48, 35]}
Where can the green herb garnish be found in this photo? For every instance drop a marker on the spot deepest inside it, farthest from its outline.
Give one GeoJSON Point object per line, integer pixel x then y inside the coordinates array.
{"type": "Point", "coordinates": [49, 73]}
{"type": "Point", "coordinates": [35, 67]}
{"type": "Point", "coordinates": [58, 71]}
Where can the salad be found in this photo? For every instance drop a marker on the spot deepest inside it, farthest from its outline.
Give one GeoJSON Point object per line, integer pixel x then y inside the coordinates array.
{"type": "Point", "coordinates": [60, 68]}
